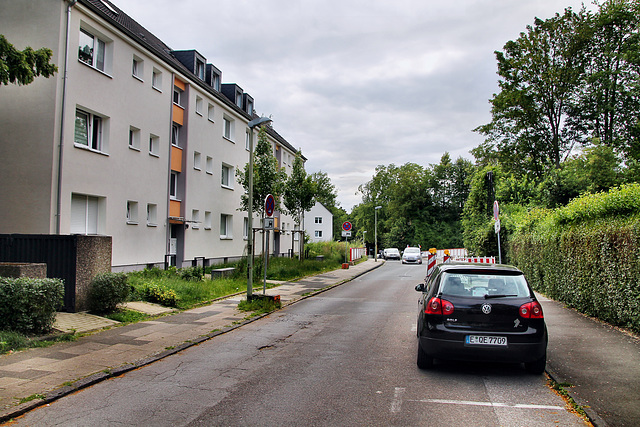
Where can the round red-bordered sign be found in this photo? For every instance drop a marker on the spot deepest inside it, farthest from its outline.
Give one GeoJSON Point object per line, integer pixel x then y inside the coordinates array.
{"type": "Point", "coordinates": [269, 205]}
{"type": "Point", "coordinates": [346, 226]}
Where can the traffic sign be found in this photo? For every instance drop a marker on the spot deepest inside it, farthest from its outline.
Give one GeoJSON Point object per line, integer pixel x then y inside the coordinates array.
{"type": "Point", "coordinates": [269, 205]}
{"type": "Point", "coordinates": [346, 226]}
{"type": "Point", "coordinates": [496, 210]}
{"type": "Point", "coordinates": [496, 226]}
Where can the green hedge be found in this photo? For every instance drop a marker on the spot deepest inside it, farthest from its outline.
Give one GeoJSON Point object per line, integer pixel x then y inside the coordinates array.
{"type": "Point", "coordinates": [28, 306]}
{"type": "Point", "coordinates": [587, 255]}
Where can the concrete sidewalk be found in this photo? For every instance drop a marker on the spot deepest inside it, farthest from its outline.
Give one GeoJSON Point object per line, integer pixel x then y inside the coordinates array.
{"type": "Point", "coordinates": [602, 364]}
{"type": "Point", "coordinates": [46, 374]}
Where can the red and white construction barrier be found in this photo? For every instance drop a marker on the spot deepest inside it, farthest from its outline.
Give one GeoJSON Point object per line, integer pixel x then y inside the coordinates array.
{"type": "Point", "coordinates": [356, 253]}
{"type": "Point", "coordinates": [477, 259]}
{"type": "Point", "coordinates": [431, 263]}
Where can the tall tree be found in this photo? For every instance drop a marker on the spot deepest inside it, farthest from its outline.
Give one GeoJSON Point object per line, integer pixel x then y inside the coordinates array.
{"type": "Point", "coordinates": [608, 103]}
{"type": "Point", "coordinates": [22, 67]}
{"type": "Point", "coordinates": [325, 190]}
{"type": "Point", "coordinates": [299, 193]}
{"type": "Point", "coordinates": [539, 74]}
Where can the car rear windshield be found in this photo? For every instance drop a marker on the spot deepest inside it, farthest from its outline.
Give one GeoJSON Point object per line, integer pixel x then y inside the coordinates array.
{"type": "Point", "coordinates": [483, 285]}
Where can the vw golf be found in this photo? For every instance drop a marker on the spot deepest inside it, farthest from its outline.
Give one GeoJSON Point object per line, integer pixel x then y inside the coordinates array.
{"type": "Point", "coordinates": [480, 312]}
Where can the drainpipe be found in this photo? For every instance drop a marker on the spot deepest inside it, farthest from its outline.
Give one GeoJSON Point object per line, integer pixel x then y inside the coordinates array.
{"type": "Point", "coordinates": [70, 4]}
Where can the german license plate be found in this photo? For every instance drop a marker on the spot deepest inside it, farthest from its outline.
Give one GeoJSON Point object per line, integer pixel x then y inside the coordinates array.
{"type": "Point", "coordinates": [486, 340]}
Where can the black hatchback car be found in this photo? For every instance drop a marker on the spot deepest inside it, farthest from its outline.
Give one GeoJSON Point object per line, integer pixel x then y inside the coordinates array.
{"type": "Point", "coordinates": [480, 312]}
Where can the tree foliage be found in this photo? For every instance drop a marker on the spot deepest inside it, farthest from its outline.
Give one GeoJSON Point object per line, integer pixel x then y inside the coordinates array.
{"type": "Point", "coordinates": [22, 67]}
{"type": "Point", "coordinates": [268, 178]}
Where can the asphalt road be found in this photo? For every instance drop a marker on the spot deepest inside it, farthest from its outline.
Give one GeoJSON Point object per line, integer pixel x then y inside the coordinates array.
{"type": "Point", "coordinates": [344, 357]}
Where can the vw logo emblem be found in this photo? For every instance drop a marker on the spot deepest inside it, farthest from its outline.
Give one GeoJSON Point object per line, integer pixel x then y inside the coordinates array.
{"type": "Point", "coordinates": [486, 308]}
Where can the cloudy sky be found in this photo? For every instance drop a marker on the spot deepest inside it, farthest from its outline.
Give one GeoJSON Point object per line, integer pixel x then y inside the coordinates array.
{"type": "Point", "coordinates": [355, 84]}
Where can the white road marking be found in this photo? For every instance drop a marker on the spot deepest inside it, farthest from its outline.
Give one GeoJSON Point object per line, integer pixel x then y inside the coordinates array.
{"type": "Point", "coordinates": [396, 404]}
{"type": "Point", "coordinates": [493, 404]}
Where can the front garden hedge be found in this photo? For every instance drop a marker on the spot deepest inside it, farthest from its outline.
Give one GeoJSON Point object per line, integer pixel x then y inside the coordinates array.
{"type": "Point", "coordinates": [28, 306]}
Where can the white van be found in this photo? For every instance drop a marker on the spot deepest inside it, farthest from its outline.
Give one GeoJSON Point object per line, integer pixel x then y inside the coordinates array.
{"type": "Point", "coordinates": [391, 253]}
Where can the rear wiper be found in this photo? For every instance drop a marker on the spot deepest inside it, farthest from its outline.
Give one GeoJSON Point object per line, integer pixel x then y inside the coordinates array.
{"type": "Point", "coordinates": [487, 296]}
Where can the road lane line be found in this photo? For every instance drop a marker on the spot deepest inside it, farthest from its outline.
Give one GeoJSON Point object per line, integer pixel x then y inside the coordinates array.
{"type": "Point", "coordinates": [396, 403]}
{"type": "Point", "coordinates": [493, 404]}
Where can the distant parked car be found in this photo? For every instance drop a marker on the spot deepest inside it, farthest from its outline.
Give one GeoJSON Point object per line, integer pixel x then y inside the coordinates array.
{"type": "Point", "coordinates": [480, 312]}
{"type": "Point", "coordinates": [412, 256]}
{"type": "Point", "coordinates": [391, 253]}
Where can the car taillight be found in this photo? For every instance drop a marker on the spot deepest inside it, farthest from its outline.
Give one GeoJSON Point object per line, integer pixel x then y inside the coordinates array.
{"type": "Point", "coordinates": [531, 310]}
{"type": "Point", "coordinates": [439, 306]}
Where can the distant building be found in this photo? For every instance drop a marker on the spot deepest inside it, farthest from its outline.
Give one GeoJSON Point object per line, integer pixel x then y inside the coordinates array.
{"type": "Point", "coordinates": [318, 223]}
{"type": "Point", "coordinates": [130, 139]}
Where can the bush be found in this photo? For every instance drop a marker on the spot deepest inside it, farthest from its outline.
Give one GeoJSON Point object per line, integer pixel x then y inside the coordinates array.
{"type": "Point", "coordinates": [195, 274]}
{"type": "Point", "coordinates": [106, 291]}
{"type": "Point", "coordinates": [160, 295]}
{"type": "Point", "coordinates": [29, 306]}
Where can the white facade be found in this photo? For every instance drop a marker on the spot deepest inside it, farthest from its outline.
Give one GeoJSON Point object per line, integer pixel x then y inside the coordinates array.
{"type": "Point", "coordinates": [125, 171]}
{"type": "Point", "coordinates": [318, 223]}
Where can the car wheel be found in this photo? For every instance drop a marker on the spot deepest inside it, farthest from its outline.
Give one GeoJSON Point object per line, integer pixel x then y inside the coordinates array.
{"type": "Point", "coordinates": [537, 366]}
{"type": "Point", "coordinates": [424, 361]}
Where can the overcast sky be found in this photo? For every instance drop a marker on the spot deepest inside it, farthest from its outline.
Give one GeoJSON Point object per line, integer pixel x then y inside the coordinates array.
{"type": "Point", "coordinates": [355, 84]}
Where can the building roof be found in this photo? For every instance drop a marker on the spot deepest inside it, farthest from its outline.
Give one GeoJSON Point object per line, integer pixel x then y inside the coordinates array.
{"type": "Point", "coordinates": [119, 19]}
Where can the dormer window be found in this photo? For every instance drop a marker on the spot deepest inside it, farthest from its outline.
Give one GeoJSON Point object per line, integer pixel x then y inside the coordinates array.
{"type": "Point", "coordinates": [200, 69]}
{"type": "Point", "coordinates": [239, 99]}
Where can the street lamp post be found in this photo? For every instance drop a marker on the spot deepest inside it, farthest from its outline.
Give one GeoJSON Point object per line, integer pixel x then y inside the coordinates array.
{"type": "Point", "coordinates": [252, 124]}
{"type": "Point", "coordinates": [375, 255]}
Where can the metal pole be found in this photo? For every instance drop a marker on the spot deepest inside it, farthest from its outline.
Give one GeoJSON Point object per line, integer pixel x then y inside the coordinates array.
{"type": "Point", "coordinates": [375, 232]}
{"type": "Point", "coordinates": [266, 254]}
{"type": "Point", "coordinates": [250, 220]}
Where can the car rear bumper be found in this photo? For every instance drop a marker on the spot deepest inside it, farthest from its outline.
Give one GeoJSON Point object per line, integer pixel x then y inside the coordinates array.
{"type": "Point", "coordinates": [513, 352]}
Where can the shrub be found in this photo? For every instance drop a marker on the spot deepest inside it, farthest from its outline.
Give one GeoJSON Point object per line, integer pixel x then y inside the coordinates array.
{"type": "Point", "coordinates": [29, 305]}
{"type": "Point", "coordinates": [106, 291]}
{"type": "Point", "coordinates": [195, 274]}
{"type": "Point", "coordinates": [160, 295]}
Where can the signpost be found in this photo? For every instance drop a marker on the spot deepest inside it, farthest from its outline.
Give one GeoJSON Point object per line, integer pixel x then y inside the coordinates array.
{"type": "Point", "coordinates": [346, 233]}
{"type": "Point", "coordinates": [267, 224]}
{"type": "Point", "coordinates": [496, 226]}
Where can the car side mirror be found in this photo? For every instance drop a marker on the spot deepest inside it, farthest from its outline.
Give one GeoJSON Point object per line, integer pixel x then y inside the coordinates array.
{"type": "Point", "coordinates": [420, 287]}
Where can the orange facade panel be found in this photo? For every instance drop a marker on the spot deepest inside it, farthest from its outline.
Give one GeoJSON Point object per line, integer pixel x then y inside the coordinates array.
{"type": "Point", "coordinates": [175, 208]}
{"type": "Point", "coordinates": [178, 114]}
{"type": "Point", "coordinates": [180, 84]}
{"type": "Point", "coordinates": [176, 158]}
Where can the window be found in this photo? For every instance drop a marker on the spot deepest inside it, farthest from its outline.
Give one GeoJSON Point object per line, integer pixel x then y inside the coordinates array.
{"type": "Point", "coordinates": [195, 217]}
{"type": "Point", "coordinates": [318, 220]}
{"type": "Point", "coordinates": [296, 233]}
{"type": "Point", "coordinates": [209, 165]}
{"type": "Point", "coordinates": [88, 130]}
{"type": "Point", "coordinates": [85, 214]}
{"type": "Point", "coordinates": [137, 68]}
{"type": "Point", "coordinates": [156, 80]}
{"type": "Point", "coordinates": [247, 139]}
{"type": "Point", "coordinates": [249, 107]}
{"type": "Point", "coordinates": [199, 103]}
{"type": "Point", "coordinates": [207, 220]}
{"type": "Point", "coordinates": [175, 135]}
{"type": "Point", "coordinates": [245, 228]}
{"type": "Point", "coordinates": [226, 223]}
{"type": "Point", "coordinates": [228, 128]}
{"type": "Point", "coordinates": [134, 138]}
{"type": "Point", "coordinates": [177, 96]}
{"type": "Point", "coordinates": [196, 160]}
{"type": "Point", "coordinates": [227, 176]}
{"type": "Point", "coordinates": [92, 50]}
{"type": "Point", "coordinates": [318, 234]}
{"type": "Point", "coordinates": [215, 81]}
{"type": "Point", "coordinates": [200, 69]}
{"type": "Point", "coordinates": [154, 145]}
{"type": "Point", "coordinates": [152, 215]}
{"type": "Point", "coordinates": [173, 187]}
{"type": "Point", "coordinates": [132, 212]}
{"type": "Point", "coordinates": [210, 112]}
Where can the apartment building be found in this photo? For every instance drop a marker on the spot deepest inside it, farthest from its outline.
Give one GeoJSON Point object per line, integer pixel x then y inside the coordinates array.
{"type": "Point", "coordinates": [130, 139]}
